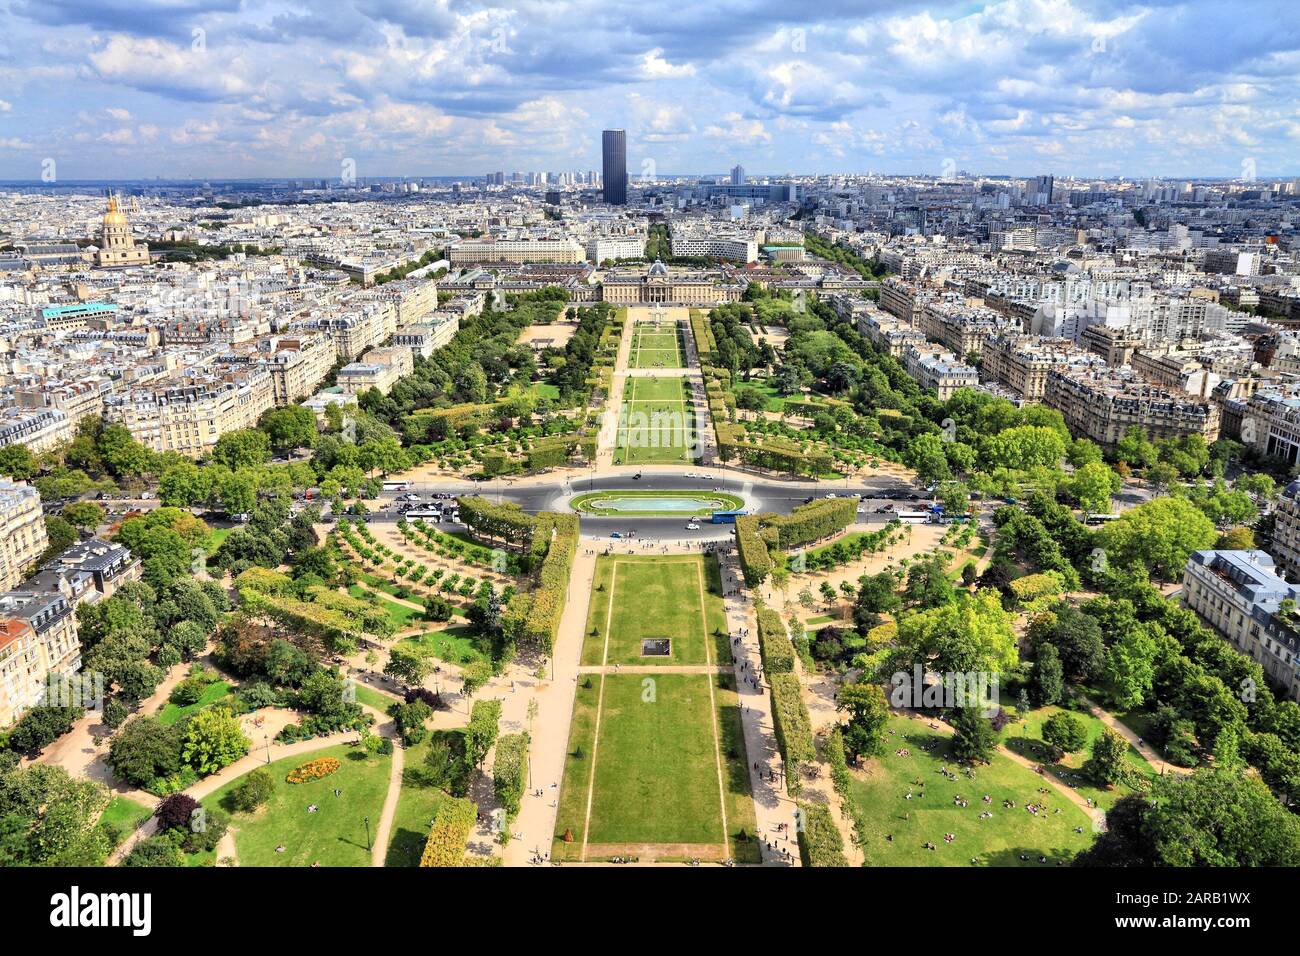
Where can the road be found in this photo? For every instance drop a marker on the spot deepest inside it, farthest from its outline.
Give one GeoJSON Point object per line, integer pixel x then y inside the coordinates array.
{"type": "Point", "coordinates": [550, 493]}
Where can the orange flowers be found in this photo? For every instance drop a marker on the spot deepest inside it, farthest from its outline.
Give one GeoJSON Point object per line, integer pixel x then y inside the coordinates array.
{"type": "Point", "coordinates": [313, 770]}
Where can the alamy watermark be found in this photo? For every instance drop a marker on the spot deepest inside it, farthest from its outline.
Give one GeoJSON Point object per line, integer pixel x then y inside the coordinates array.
{"type": "Point", "coordinates": [928, 690]}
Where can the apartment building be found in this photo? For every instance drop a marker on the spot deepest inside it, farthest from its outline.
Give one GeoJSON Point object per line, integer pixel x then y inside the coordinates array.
{"type": "Point", "coordinates": [423, 337]}
{"type": "Point", "coordinates": [939, 371]}
{"type": "Point", "coordinates": [887, 332]}
{"type": "Point", "coordinates": [1270, 424]}
{"type": "Point", "coordinates": [604, 248]}
{"type": "Point", "coordinates": [1286, 530]}
{"type": "Point", "coordinates": [1104, 404]}
{"type": "Point", "coordinates": [188, 415]}
{"type": "Point", "coordinates": [38, 639]}
{"type": "Point", "coordinates": [1239, 594]}
{"type": "Point", "coordinates": [39, 429]}
{"type": "Point", "coordinates": [708, 242]}
{"type": "Point", "coordinates": [23, 538]}
{"type": "Point", "coordinates": [515, 249]}
{"type": "Point", "coordinates": [1176, 370]}
{"type": "Point", "coordinates": [960, 328]}
{"type": "Point", "coordinates": [76, 400]}
{"type": "Point", "coordinates": [380, 369]}
{"type": "Point", "coordinates": [1022, 362]}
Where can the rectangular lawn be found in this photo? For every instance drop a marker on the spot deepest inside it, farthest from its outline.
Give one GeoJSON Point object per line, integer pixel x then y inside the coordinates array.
{"type": "Point", "coordinates": [656, 347]}
{"type": "Point", "coordinates": [656, 597]}
{"type": "Point", "coordinates": [657, 424]}
{"type": "Point", "coordinates": [656, 766]}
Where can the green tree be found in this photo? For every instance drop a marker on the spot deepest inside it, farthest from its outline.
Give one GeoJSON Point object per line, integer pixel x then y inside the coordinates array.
{"type": "Point", "coordinates": [974, 738]}
{"type": "Point", "coordinates": [1064, 733]}
{"type": "Point", "coordinates": [213, 740]}
{"type": "Point", "coordinates": [1108, 764]}
{"type": "Point", "coordinates": [18, 462]}
{"type": "Point", "coordinates": [1093, 485]}
{"type": "Point", "coordinates": [84, 515]}
{"type": "Point", "coordinates": [868, 712]}
{"type": "Point", "coordinates": [1158, 535]}
{"type": "Point", "coordinates": [244, 447]}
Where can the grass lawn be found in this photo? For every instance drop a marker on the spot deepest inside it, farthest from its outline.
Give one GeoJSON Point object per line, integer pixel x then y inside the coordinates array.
{"type": "Point", "coordinates": [879, 798]}
{"type": "Point", "coordinates": [401, 615]}
{"type": "Point", "coordinates": [570, 815]}
{"type": "Point", "coordinates": [737, 794]}
{"type": "Point", "coordinates": [215, 537]}
{"type": "Point", "coordinates": [656, 348]}
{"type": "Point", "coordinates": [171, 713]}
{"type": "Point", "coordinates": [455, 645]}
{"type": "Point", "coordinates": [1026, 738]}
{"type": "Point", "coordinates": [657, 423]}
{"type": "Point", "coordinates": [656, 597]}
{"type": "Point", "coordinates": [656, 777]}
{"type": "Point", "coordinates": [417, 805]}
{"type": "Point", "coordinates": [333, 836]}
{"type": "Point", "coordinates": [124, 815]}
{"type": "Point", "coordinates": [372, 698]}
{"type": "Point", "coordinates": [774, 399]}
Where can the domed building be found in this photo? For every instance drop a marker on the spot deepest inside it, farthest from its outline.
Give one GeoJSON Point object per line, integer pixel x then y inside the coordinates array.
{"type": "Point", "coordinates": [117, 247]}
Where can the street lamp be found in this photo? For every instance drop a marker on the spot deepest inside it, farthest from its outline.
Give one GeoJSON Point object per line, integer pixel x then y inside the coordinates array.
{"type": "Point", "coordinates": [367, 833]}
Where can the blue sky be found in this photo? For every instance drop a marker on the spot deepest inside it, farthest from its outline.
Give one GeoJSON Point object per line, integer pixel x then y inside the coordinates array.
{"type": "Point", "coordinates": [244, 88]}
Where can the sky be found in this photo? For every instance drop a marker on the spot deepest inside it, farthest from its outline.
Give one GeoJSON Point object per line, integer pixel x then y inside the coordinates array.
{"type": "Point", "coordinates": [180, 89]}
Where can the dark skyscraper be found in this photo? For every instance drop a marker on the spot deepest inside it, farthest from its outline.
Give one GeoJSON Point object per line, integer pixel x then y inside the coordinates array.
{"type": "Point", "coordinates": [614, 151]}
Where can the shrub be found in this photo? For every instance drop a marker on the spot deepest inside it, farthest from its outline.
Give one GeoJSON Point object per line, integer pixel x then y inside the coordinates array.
{"type": "Point", "coordinates": [176, 812]}
{"type": "Point", "coordinates": [253, 791]}
{"type": "Point", "coordinates": [820, 843]}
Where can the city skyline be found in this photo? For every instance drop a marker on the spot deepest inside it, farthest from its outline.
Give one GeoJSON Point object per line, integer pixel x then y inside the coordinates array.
{"type": "Point", "coordinates": [208, 89]}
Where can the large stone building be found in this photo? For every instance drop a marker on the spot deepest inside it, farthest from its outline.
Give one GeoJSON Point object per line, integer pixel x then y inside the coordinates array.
{"type": "Point", "coordinates": [117, 247]}
{"type": "Point", "coordinates": [1240, 595]}
{"type": "Point", "coordinates": [660, 284]}
{"type": "Point", "coordinates": [378, 369]}
{"type": "Point", "coordinates": [38, 639]}
{"type": "Point", "coordinates": [188, 415]}
{"type": "Point", "coordinates": [22, 531]}
{"type": "Point", "coordinates": [1104, 405]}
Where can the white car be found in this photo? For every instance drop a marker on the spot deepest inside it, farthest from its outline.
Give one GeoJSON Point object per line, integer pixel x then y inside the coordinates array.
{"type": "Point", "coordinates": [693, 526]}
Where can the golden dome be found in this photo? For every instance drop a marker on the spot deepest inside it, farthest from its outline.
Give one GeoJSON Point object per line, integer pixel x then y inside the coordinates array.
{"type": "Point", "coordinates": [114, 216]}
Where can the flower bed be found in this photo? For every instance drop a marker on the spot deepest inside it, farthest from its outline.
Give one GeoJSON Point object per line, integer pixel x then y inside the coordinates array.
{"type": "Point", "coordinates": [313, 770]}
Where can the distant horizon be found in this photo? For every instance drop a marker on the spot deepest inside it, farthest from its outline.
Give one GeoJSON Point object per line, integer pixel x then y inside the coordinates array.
{"type": "Point", "coordinates": [204, 89]}
{"type": "Point", "coordinates": [632, 179]}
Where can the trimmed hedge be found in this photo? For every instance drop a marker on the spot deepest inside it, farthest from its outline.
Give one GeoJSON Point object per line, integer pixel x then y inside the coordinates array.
{"type": "Point", "coordinates": [558, 535]}
{"type": "Point", "coordinates": [450, 832]}
{"type": "Point", "coordinates": [755, 561]}
{"type": "Point", "coordinates": [813, 521]}
{"type": "Point", "coordinates": [510, 771]}
{"type": "Point", "coordinates": [503, 522]}
{"type": "Point", "coordinates": [792, 724]}
{"type": "Point", "coordinates": [774, 643]}
{"type": "Point", "coordinates": [820, 843]}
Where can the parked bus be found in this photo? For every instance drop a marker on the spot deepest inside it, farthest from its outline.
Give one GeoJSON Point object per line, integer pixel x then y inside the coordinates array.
{"type": "Point", "coordinates": [914, 517]}
{"type": "Point", "coordinates": [726, 517]}
{"type": "Point", "coordinates": [1097, 518]}
{"type": "Point", "coordinates": [397, 486]}
{"type": "Point", "coordinates": [434, 514]}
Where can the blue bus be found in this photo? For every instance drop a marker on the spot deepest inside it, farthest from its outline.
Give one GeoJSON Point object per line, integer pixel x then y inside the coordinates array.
{"type": "Point", "coordinates": [726, 517]}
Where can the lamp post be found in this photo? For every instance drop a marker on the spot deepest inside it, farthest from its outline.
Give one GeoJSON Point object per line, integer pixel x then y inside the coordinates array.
{"type": "Point", "coordinates": [367, 833]}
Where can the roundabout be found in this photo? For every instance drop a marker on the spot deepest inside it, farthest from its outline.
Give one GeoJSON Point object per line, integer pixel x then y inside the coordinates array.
{"type": "Point", "coordinates": [631, 503]}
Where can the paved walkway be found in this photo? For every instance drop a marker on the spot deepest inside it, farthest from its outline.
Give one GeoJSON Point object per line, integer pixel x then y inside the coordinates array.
{"type": "Point", "coordinates": [534, 827]}
{"type": "Point", "coordinates": [772, 806]}
{"type": "Point", "coordinates": [1142, 747]}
